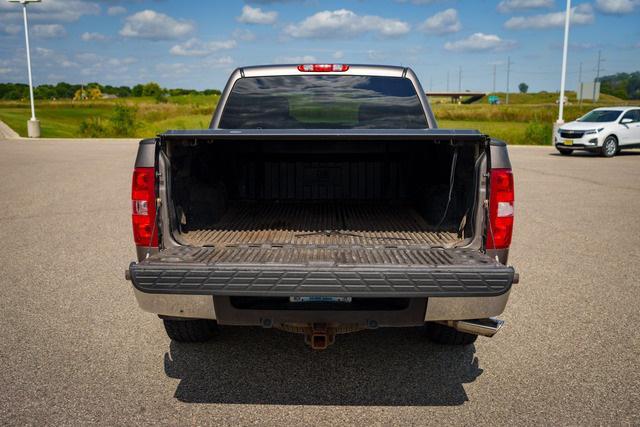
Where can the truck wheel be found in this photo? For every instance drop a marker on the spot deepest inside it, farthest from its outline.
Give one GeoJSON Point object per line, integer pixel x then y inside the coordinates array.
{"type": "Point", "coordinates": [565, 152]}
{"type": "Point", "coordinates": [190, 330]}
{"type": "Point", "coordinates": [442, 334]}
{"type": "Point", "coordinates": [609, 147]}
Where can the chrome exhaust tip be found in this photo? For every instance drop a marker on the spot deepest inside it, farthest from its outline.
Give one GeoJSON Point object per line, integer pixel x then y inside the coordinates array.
{"type": "Point", "coordinates": [485, 327]}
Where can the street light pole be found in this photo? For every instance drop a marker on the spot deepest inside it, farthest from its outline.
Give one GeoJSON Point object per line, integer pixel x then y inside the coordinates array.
{"type": "Point", "coordinates": [33, 125]}
{"type": "Point", "coordinates": [567, 20]}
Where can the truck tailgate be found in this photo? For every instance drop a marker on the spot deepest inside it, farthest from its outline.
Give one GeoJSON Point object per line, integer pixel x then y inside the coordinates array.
{"type": "Point", "coordinates": [266, 270]}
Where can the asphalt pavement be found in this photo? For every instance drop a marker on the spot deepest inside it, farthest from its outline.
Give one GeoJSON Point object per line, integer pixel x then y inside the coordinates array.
{"type": "Point", "coordinates": [75, 348]}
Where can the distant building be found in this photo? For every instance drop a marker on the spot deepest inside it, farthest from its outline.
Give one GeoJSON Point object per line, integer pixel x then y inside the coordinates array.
{"type": "Point", "coordinates": [109, 96]}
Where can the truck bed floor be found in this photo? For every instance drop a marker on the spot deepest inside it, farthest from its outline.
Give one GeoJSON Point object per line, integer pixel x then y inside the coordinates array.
{"type": "Point", "coordinates": [316, 224]}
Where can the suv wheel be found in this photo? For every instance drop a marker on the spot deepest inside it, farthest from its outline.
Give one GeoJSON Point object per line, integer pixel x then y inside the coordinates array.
{"type": "Point", "coordinates": [442, 334]}
{"type": "Point", "coordinates": [565, 152]}
{"type": "Point", "coordinates": [609, 146]}
{"type": "Point", "coordinates": [190, 330]}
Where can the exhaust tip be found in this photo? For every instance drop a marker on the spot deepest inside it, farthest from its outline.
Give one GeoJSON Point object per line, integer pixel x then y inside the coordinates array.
{"type": "Point", "coordinates": [485, 327]}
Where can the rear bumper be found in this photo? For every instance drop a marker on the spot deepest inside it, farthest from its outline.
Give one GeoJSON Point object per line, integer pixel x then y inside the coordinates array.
{"type": "Point", "coordinates": [450, 273]}
{"type": "Point", "coordinates": [470, 286]}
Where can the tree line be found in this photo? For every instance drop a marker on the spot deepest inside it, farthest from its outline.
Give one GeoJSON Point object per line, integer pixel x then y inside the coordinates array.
{"type": "Point", "coordinates": [622, 85]}
{"type": "Point", "coordinates": [62, 90]}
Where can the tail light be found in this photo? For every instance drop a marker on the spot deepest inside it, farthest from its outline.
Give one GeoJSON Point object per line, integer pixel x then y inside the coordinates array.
{"type": "Point", "coordinates": [322, 68]}
{"type": "Point", "coordinates": [143, 201]}
{"type": "Point", "coordinates": [501, 209]}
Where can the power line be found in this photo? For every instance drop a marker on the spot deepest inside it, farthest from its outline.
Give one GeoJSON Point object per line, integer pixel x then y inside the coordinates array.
{"type": "Point", "coordinates": [508, 76]}
{"type": "Point", "coordinates": [494, 78]}
{"type": "Point", "coordinates": [598, 69]}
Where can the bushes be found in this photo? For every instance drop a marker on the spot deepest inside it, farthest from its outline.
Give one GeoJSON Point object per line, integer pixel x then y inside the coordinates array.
{"type": "Point", "coordinates": [122, 124]}
{"type": "Point", "coordinates": [93, 127]}
{"type": "Point", "coordinates": [123, 121]}
{"type": "Point", "coordinates": [538, 133]}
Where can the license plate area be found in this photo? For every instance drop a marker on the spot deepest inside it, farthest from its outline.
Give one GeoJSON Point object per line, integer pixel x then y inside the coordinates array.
{"type": "Point", "coordinates": [321, 299]}
{"type": "Point", "coordinates": [567, 142]}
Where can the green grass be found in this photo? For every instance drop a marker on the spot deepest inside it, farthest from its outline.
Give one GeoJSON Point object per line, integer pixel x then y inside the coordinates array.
{"type": "Point", "coordinates": [511, 132]}
{"type": "Point", "coordinates": [525, 121]}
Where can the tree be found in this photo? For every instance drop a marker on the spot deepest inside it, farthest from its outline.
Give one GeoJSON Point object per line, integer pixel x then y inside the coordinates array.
{"type": "Point", "coordinates": [152, 89]}
{"type": "Point", "coordinates": [523, 87]}
{"type": "Point", "coordinates": [137, 91]}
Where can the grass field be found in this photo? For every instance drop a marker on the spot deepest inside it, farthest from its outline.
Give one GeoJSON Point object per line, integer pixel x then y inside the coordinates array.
{"type": "Point", "coordinates": [527, 120]}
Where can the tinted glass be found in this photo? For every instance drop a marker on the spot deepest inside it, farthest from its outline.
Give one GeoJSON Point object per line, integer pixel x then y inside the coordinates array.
{"type": "Point", "coordinates": [601, 116]}
{"type": "Point", "coordinates": [633, 115]}
{"type": "Point", "coordinates": [323, 102]}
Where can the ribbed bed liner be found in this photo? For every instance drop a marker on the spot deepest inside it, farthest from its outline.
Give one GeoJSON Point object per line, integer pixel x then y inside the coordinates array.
{"type": "Point", "coordinates": [317, 224]}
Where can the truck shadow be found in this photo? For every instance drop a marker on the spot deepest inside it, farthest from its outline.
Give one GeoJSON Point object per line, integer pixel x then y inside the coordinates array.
{"type": "Point", "coordinates": [395, 367]}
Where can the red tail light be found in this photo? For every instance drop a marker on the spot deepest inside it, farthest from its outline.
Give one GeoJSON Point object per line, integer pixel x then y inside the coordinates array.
{"type": "Point", "coordinates": [143, 202]}
{"type": "Point", "coordinates": [501, 209]}
{"type": "Point", "coordinates": [322, 68]}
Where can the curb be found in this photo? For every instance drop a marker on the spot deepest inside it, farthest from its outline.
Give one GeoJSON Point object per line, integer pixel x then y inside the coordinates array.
{"type": "Point", "coordinates": [6, 132]}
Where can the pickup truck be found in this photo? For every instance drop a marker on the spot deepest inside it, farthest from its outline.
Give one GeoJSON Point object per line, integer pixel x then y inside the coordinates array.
{"type": "Point", "coordinates": [322, 200]}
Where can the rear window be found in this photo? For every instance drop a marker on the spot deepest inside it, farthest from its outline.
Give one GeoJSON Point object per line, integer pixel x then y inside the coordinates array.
{"type": "Point", "coordinates": [323, 102]}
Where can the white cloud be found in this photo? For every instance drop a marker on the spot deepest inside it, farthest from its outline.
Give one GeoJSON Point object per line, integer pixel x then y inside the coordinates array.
{"type": "Point", "coordinates": [116, 10]}
{"type": "Point", "coordinates": [49, 31]}
{"type": "Point", "coordinates": [443, 22]}
{"type": "Point", "coordinates": [197, 47]}
{"type": "Point", "coordinates": [50, 10]}
{"type": "Point", "coordinates": [152, 25]}
{"type": "Point", "coordinates": [295, 59]}
{"type": "Point", "coordinates": [344, 23]}
{"type": "Point", "coordinates": [338, 54]}
{"type": "Point", "coordinates": [418, 2]}
{"type": "Point", "coordinates": [11, 29]}
{"type": "Point", "coordinates": [243, 34]}
{"type": "Point", "coordinates": [480, 42]}
{"type": "Point", "coordinates": [87, 37]}
{"type": "Point", "coordinates": [580, 15]}
{"type": "Point", "coordinates": [617, 7]}
{"type": "Point", "coordinates": [255, 15]}
{"type": "Point", "coordinates": [507, 6]}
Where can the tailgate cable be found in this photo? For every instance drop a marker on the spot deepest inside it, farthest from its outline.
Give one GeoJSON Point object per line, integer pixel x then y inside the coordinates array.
{"type": "Point", "coordinates": [153, 229]}
{"type": "Point", "coordinates": [452, 178]}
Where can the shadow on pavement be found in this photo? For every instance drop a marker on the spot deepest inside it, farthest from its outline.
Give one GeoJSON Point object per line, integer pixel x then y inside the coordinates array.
{"type": "Point", "coordinates": [579, 154]}
{"type": "Point", "coordinates": [395, 367]}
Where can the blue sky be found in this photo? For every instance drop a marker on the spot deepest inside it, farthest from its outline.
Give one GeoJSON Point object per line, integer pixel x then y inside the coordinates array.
{"type": "Point", "coordinates": [196, 44]}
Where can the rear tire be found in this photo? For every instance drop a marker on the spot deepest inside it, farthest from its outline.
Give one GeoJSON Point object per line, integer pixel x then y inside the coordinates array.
{"type": "Point", "coordinates": [565, 152]}
{"type": "Point", "coordinates": [190, 330]}
{"type": "Point", "coordinates": [442, 334]}
{"type": "Point", "coordinates": [609, 147]}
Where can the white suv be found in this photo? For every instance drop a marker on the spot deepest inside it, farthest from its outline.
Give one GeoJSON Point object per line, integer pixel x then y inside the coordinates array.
{"type": "Point", "coordinates": [603, 130]}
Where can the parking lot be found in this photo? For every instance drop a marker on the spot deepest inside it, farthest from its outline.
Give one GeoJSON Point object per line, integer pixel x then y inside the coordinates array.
{"type": "Point", "coordinates": [76, 349]}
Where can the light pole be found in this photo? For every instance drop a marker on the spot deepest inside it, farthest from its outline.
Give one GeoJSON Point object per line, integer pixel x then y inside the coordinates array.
{"type": "Point", "coordinates": [33, 125]}
{"type": "Point", "coordinates": [567, 20]}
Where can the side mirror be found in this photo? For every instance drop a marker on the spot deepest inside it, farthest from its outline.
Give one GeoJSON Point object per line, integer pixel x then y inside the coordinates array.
{"type": "Point", "coordinates": [626, 120]}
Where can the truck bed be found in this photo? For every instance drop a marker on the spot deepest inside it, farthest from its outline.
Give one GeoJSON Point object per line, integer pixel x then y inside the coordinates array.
{"type": "Point", "coordinates": [317, 224]}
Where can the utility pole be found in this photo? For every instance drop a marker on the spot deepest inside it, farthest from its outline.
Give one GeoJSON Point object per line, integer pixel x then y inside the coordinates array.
{"type": "Point", "coordinates": [508, 76]}
{"type": "Point", "coordinates": [459, 79]}
{"type": "Point", "coordinates": [580, 84]}
{"type": "Point", "coordinates": [598, 69]}
{"type": "Point", "coordinates": [494, 78]}
{"type": "Point", "coordinates": [447, 81]}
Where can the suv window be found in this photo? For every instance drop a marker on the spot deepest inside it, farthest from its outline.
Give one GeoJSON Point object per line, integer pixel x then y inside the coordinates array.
{"type": "Point", "coordinates": [632, 114]}
{"type": "Point", "coordinates": [323, 102]}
